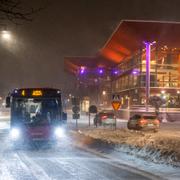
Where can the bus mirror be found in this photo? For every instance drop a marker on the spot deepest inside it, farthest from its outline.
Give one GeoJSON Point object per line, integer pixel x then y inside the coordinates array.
{"type": "Point", "coordinates": [64, 116]}
{"type": "Point", "coordinates": [8, 101]}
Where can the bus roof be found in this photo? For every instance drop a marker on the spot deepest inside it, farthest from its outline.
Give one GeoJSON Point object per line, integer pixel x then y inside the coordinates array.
{"type": "Point", "coordinates": [36, 92]}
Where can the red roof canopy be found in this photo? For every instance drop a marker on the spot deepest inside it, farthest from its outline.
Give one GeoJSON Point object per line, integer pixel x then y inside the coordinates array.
{"type": "Point", "coordinates": [129, 37]}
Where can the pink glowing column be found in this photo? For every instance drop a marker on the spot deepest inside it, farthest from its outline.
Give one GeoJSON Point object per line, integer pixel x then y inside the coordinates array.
{"type": "Point", "coordinates": [148, 60]}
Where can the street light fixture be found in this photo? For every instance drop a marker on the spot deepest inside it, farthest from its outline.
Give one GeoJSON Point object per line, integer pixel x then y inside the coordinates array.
{"type": "Point", "coordinates": [104, 93]}
{"type": "Point", "coordinates": [6, 35]}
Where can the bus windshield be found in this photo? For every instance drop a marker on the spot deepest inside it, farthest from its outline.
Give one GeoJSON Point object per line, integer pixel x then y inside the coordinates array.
{"type": "Point", "coordinates": [36, 111]}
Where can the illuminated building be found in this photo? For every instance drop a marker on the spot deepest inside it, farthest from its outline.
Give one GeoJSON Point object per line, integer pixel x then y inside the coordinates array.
{"type": "Point", "coordinates": [124, 68]}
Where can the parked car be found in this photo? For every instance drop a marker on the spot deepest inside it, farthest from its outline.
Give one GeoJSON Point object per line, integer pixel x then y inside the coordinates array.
{"type": "Point", "coordinates": [143, 122]}
{"type": "Point", "coordinates": [104, 118]}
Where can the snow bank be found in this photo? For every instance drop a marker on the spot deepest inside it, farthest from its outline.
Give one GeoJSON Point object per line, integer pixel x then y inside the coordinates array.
{"type": "Point", "coordinates": [161, 147]}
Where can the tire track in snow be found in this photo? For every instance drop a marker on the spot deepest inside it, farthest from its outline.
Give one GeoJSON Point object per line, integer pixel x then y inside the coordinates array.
{"type": "Point", "coordinates": [37, 171]}
{"type": "Point", "coordinates": [73, 167]}
{"type": "Point", "coordinates": [4, 172]}
{"type": "Point", "coordinates": [13, 168]}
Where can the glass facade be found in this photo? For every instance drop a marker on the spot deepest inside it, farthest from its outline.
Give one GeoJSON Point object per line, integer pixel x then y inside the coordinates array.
{"type": "Point", "coordinates": [164, 76]}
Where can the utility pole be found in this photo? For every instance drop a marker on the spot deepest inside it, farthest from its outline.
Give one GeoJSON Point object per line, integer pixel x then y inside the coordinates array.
{"type": "Point", "coordinates": [148, 64]}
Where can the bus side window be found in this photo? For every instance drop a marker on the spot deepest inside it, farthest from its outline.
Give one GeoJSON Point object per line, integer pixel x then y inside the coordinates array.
{"type": "Point", "coordinates": [48, 117]}
{"type": "Point", "coordinates": [64, 116]}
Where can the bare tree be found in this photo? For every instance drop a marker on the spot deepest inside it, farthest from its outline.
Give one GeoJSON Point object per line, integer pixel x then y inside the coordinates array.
{"type": "Point", "coordinates": [16, 11]}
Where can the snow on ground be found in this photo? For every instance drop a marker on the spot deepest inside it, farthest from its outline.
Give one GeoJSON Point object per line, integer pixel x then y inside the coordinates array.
{"type": "Point", "coordinates": [157, 153]}
{"type": "Point", "coordinates": [163, 145]}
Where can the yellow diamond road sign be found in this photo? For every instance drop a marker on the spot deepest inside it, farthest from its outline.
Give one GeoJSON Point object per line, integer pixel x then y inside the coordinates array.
{"type": "Point", "coordinates": [116, 105]}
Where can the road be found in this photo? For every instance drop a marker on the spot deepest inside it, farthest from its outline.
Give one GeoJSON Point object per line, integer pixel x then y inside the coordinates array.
{"type": "Point", "coordinates": [64, 161]}
{"type": "Point", "coordinates": [121, 123]}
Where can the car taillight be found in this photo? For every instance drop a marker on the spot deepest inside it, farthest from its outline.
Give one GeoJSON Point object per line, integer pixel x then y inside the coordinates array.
{"type": "Point", "coordinates": [104, 117]}
{"type": "Point", "coordinates": [143, 121]}
{"type": "Point", "coordinates": [156, 121]}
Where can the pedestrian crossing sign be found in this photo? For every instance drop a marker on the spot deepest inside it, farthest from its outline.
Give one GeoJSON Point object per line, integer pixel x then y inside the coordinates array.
{"type": "Point", "coordinates": [116, 97]}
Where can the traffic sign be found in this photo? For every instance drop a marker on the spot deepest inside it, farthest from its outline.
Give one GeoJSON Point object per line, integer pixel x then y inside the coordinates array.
{"type": "Point", "coordinates": [75, 101]}
{"type": "Point", "coordinates": [93, 109]}
{"type": "Point", "coordinates": [75, 109]}
{"type": "Point", "coordinates": [116, 97]}
{"type": "Point", "coordinates": [76, 116]}
{"type": "Point", "coordinates": [116, 105]}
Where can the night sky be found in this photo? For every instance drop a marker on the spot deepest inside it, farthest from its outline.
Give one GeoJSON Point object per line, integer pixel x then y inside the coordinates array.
{"type": "Point", "coordinates": [35, 56]}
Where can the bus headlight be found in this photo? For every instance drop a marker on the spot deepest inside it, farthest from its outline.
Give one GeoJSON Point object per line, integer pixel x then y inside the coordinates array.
{"type": "Point", "coordinates": [59, 132]}
{"type": "Point", "coordinates": [15, 133]}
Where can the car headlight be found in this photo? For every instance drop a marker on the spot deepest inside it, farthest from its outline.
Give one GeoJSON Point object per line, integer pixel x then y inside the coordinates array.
{"type": "Point", "coordinates": [59, 132]}
{"type": "Point", "coordinates": [15, 133]}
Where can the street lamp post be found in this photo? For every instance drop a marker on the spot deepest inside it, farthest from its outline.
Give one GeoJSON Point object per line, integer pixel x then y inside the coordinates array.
{"type": "Point", "coordinates": [148, 59]}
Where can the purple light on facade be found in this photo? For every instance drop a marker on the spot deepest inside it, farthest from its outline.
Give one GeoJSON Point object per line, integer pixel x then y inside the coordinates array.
{"type": "Point", "coordinates": [82, 70]}
{"type": "Point", "coordinates": [115, 72]}
{"type": "Point", "coordinates": [100, 71]}
{"type": "Point", "coordinates": [135, 72]}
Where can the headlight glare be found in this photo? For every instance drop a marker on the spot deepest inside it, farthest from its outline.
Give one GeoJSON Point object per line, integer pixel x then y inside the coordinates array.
{"type": "Point", "coordinates": [59, 132]}
{"type": "Point", "coordinates": [15, 133]}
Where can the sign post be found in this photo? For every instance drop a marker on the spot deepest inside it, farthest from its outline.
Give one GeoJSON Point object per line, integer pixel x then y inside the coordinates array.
{"type": "Point", "coordinates": [76, 109]}
{"type": "Point", "coordinates": [116, 104]}
{"type": "Point", "coordinates": [92, 109]}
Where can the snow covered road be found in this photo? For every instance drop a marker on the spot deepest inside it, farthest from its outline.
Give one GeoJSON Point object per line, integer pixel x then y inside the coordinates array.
{"type": "Point", "coordinates": [67, 161]}
{"type": "Point", "coordinates": [63, 161]}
